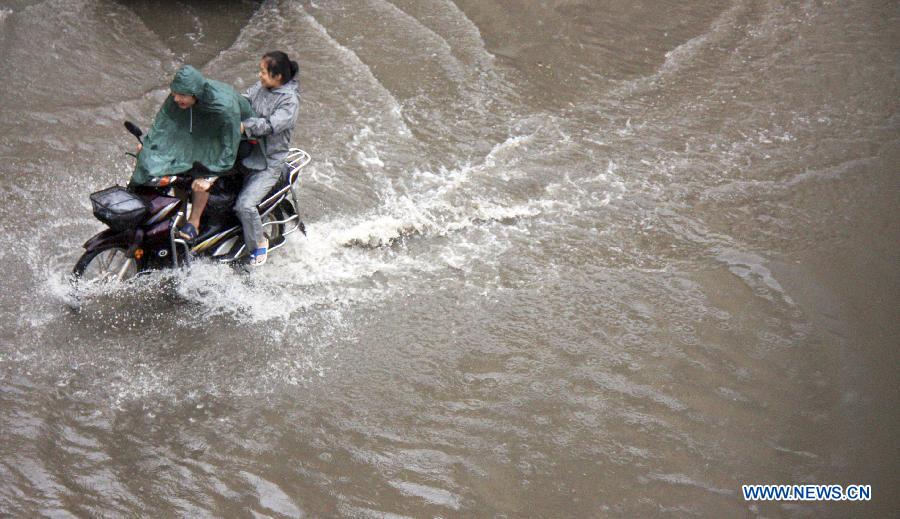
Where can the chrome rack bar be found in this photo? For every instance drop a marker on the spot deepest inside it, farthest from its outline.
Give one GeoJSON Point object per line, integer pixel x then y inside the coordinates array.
{"type": "Point", "coordinates": [172, 238]}
{"type": "Point", "coordinates": [175, 242]}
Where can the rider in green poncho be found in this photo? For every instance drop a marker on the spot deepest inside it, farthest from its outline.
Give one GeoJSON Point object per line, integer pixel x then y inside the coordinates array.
{"type": "Point", "coordinates": [200, 122]}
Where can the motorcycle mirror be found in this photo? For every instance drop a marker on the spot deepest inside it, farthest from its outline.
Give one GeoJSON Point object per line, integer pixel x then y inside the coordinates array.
{"type": "Point", "coordinates": [133, 129]}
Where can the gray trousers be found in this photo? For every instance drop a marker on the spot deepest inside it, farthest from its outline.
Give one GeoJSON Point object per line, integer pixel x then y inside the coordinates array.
{"type": "Point", "coordinates": [257, 185]}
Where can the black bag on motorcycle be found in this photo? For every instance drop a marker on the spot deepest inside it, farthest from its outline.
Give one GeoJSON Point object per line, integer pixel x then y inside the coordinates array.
{"type": "Point", "coordinates": [222, 195]}
{"type": "Point", "coordinates": [119, 208]}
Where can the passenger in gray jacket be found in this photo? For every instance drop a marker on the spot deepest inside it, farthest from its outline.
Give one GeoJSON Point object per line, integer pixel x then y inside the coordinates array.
{"type": "Point", "coordinates": [275, 98]}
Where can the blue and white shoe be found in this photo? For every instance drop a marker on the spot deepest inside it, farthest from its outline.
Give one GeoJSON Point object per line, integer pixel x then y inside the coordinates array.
{"type": "Point", "coordinates": [187, 232]}
{"type": "Point", "coordinates": [259, 256]}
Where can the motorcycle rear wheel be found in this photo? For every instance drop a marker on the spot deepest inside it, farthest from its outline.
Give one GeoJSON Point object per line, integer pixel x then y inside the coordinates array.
{"type": "Point", "coordinates": [106, 264]}
{"type": "Point", "coordinates": [275, 231]}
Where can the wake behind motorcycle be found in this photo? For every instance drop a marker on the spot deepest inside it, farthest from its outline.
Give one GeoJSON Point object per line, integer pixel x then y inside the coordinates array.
{"type": "Point", "coordinates": [142, 223]}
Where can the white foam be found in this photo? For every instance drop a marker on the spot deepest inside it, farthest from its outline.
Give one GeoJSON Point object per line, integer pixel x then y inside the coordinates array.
{"type": "Point", "coordinates": [363, 148]}
{"type": "Point", "coordinates": [682, 479]}
{"type": "Point", "coordinates": [430, 494]}
{"type": "Point", "coordinates": [505, 148]}
{"type": "Point", "coordinates": [432, 208]}
{"type": "Point", "coordinates": [751, 269]}
{"type": "Point", "coordinates": [272, 497]}
{"type": "Point", "coordinates": [137, 380]}
{"type": "Point", "coordinates": [490, 211]}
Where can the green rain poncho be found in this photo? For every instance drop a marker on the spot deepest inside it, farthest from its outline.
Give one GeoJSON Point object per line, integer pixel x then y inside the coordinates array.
{"type": "Point", "coordinates": [209, 132]}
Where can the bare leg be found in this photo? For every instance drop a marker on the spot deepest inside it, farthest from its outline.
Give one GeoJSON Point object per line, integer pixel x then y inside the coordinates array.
{"type": "Point", "coordinates": [199, 198]}
{"type": "Point", "coordinates": [198, 205]}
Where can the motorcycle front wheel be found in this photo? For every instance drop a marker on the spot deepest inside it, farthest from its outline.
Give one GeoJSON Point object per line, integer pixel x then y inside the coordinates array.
{"type": "Point", "coordinates": [109, 263]}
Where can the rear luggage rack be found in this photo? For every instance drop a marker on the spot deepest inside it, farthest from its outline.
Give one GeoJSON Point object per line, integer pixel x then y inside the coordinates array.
{"type": "Point", "coordinates": [294, 162]}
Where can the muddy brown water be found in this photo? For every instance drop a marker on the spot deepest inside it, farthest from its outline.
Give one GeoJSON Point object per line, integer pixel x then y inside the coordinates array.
{"type": "Point", "coordinates": [565, 259]}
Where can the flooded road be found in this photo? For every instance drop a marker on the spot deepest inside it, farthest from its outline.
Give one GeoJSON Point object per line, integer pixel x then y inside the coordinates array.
{"type": "Point", "coordinates": [564, 259]}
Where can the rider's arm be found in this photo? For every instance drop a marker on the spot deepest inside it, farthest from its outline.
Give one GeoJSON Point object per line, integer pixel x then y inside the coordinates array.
{"type": "Point", "coordinates": [283, 118]}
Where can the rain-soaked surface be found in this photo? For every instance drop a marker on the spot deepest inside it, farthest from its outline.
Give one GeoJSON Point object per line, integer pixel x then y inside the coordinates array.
{"type": "Point", "coordinates": [565, 259]}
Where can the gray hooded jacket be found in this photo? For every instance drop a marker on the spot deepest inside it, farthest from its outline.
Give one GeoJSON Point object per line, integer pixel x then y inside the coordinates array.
{"type": "Point", "coordinates": [276, 115]}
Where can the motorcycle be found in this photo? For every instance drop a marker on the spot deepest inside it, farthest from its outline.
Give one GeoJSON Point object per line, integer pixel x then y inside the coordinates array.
{"type": "Point", "coordinates": [142, 223]}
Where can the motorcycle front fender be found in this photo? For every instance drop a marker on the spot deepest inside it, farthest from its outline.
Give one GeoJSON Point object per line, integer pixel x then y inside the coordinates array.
{"type": "Point", "coordinates": [108, 236]}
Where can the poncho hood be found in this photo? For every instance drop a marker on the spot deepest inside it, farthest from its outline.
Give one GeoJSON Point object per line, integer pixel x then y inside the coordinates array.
{"type": "Point", "coordinates": [188, 80]}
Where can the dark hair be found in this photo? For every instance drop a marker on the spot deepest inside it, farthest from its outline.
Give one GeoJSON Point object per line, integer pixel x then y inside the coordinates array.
{"type": "Point", "coordinates": [278, 64]}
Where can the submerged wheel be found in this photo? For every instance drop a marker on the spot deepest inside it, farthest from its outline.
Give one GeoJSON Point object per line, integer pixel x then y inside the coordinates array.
{"type": "Point", "coordinates": [108, 263]}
